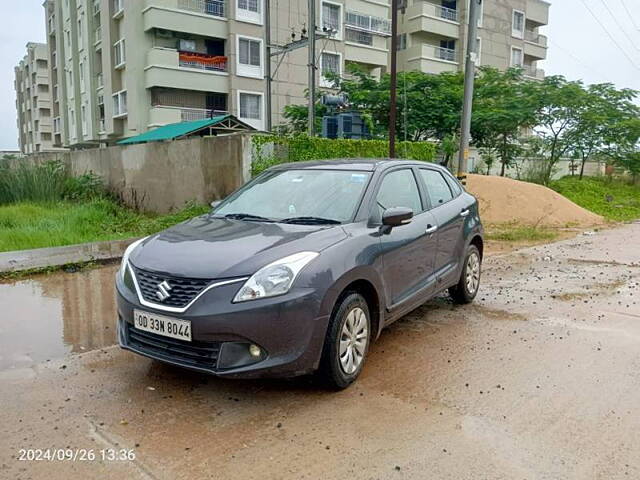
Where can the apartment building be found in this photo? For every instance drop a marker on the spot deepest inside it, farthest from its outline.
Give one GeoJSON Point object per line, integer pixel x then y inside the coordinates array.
{"type": "Point", "coordinates": [33, 101]}
{"type": "Point", "coordinates": [121, 67]}
{"type": "Point", "coordinates": [433, 35]}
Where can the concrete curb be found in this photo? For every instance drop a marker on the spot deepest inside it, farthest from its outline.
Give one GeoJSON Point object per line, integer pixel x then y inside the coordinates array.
{"type": "Point", "coordinates": [58, 256]}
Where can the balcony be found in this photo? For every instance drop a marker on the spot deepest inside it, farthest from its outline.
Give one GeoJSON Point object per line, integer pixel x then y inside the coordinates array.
{"type": "Point", "coordinates": [531, 71]}
{"type": "Point", "coordinates": [429, 58]}
{"type": "Point", "coordinates": [429, 17]}
{"type": "Point", "coordinates": [535, 45]}
{"type": "Point", "coordinates": [202, 61]}
{"type": "Point", "coordinates": [201, 17]}
{"type": "Point", "coordinates": [169, 68]}
{"type": "Point", "coordinates": [537, 11]}
{"type": "Point", "coordinates": [356, 21]}
{"type": "Point", "coordinates": [165, 114]}
{"type": "Point", "coordinates": [370, 55]}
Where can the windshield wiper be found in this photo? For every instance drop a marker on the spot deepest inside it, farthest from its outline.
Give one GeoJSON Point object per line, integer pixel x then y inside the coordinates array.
{"type": "Point", "coordinates": [248, 216]}
{"type": "Point", "coordinates": [311, 221]}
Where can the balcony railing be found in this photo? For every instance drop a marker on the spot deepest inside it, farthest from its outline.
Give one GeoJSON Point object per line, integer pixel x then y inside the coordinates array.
{"type": "Point", "coordinates": [534, 37]}
{"type": "Point", "coordinates": [533, 72]}
{"type": "Point", "coordinates": [446, 13]}
{"type": "Point", "coordinates": [367, 23]}
{"type": "Point", "coordinates": [208, 7]}
{"type": "Point", "coordinates": [442, 53]}
{"type": "Point", "coordinates": [190, 114]}
{"type": "Point", "coordinates": [358, 36]}
{"type": "Point", "coordinates": [202, 61]}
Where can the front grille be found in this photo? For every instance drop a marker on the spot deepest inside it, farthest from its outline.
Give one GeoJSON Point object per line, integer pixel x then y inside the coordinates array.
{"type": "Point", "coordinates": [181, 292]}
{"type": "Point", "coordinates": [190, 354]}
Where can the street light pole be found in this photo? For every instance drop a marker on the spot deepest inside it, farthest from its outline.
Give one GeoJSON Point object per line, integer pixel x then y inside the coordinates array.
{"type": "Point", "coordinates": [312, 68]}
{"type": "Point", "coordinates": [394, 79]}
{"type": "Point", "coordinates": [469, 76]}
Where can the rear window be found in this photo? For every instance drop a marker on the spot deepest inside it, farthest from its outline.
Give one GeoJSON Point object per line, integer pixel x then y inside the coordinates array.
{"type": "Point", "coordinates": [437, 187]}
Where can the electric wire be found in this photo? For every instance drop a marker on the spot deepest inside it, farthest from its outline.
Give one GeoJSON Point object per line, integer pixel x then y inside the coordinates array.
{"type": "Point", "coordinates": [619, 26]}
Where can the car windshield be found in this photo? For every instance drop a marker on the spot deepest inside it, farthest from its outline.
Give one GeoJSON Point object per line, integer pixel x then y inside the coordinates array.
{"type": "Point", "coordinates": [298, 196]}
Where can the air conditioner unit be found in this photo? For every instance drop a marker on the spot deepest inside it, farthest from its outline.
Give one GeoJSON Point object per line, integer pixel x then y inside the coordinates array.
{"type": "Point", "coordinates": [187, 45]}
{"type": "Point", "coordinates": [162, 33]}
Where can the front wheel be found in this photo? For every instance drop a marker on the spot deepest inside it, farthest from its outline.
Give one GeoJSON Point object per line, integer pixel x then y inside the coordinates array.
{"type": "Point", "coordinates": [347, 342]}
{"type": "Point", "coordinates": [467, 287]}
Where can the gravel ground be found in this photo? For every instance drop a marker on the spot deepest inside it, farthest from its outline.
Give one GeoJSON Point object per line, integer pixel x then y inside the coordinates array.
{"type": "Point", "coordinates": [539, 379]}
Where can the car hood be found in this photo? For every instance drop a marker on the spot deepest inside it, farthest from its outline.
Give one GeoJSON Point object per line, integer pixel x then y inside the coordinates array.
{"type": "Point", "coordinates": [217, 248]}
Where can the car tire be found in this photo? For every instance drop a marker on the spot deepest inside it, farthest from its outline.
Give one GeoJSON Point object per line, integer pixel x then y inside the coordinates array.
{"type": "Point", "coordinates": [467, 287]}
{"type": "Point", "coordinates": [349, 321]}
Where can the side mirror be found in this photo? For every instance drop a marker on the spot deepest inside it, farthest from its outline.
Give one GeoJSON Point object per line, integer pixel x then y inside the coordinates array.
{"type": "Point", "coordinates": [215, 203]}
{"type": "Point", "coordinates": [396, 216]}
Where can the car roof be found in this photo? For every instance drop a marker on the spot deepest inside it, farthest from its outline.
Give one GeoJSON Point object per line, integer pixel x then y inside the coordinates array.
{"type": "Point", "coordinates": [363, 164]}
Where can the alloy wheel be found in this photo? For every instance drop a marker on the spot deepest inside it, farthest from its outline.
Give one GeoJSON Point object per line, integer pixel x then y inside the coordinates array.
{"type": "Point", "coordinates": [473, 273]}
{"type": "Point", "coordinates": [353, 340]}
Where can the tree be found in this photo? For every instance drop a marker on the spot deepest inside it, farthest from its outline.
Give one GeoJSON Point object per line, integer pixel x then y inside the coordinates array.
{"type": "Point", "coordinates": [502, 109]}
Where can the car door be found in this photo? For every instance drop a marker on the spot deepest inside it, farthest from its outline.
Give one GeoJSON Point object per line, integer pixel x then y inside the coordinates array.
{"type": "Point", "coordinates": [408, 251]}
{"type": "Point", "coordinates": [449, 215]}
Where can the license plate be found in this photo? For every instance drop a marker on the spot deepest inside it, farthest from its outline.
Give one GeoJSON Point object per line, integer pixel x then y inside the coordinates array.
{"type": "Point", "coordinates": [165, 326]}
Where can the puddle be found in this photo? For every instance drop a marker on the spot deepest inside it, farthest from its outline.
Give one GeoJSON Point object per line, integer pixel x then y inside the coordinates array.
{"type": "Point", "coordinates": [50, 316]}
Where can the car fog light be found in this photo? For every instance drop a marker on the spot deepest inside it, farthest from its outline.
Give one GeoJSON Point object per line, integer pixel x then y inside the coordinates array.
{"type": "Point", "coordinates": [254, 350]}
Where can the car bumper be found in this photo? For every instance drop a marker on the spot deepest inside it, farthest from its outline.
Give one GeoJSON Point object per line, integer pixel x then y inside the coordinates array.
{"type": "Point", "coordinates": [288, 330]}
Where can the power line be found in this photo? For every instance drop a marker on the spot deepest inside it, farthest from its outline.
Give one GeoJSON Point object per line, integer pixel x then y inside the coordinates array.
{"type": "Point", "coordinates": [581, 62]}
{"type": "Point", "coordinates": [610, 36]}
{"type": "Point", "coordinates": [618, 24]}
{"type": "Point", "coordinates": [624, 4]}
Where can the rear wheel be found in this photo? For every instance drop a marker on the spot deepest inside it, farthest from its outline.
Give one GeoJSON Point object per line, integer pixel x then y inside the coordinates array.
{"type": "Point", "coordinates": [347, 341]}
{"type": "Point", "coordinates": [467, 287]}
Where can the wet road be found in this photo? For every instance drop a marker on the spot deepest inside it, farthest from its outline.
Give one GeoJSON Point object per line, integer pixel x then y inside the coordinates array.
{"type": "Point", "coordinates": [539, 379]}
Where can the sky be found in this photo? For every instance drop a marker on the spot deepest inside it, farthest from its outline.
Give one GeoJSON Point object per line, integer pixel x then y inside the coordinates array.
{"type": "Point", "coordinates": [597, 47]}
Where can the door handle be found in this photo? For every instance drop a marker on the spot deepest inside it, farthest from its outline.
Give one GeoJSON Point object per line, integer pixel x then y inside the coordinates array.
{"type": "Point", "coordinates": [430, 229]}
{"type": "Point", "coordinates": [464, 213]}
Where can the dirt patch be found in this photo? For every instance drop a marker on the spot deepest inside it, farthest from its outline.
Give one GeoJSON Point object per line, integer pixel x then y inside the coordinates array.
{"type": "Point", "coordinates": [504, 200]}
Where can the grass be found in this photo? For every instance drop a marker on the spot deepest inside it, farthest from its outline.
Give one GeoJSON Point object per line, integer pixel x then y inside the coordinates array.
{"type": "Point", "coordinates": [29, 225]}
{"type": "Point", "coordinates": [613, 199]}
{"type": "Point", "coordinates": [512, 232]}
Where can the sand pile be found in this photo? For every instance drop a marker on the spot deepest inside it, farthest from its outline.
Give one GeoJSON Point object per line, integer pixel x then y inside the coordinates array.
{"type": "Point", "coordinates": [505, 200]}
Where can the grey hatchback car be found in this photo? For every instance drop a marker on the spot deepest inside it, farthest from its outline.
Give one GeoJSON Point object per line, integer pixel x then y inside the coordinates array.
{"type": "Point", "coordinates": [300, 269]}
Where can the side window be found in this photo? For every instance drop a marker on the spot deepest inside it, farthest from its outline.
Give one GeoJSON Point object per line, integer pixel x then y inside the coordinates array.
{"type": "Point", "coordinates": [399, 189]}
{"type": "Point", "coordinates": [437, 187]}
{"type": "Point", "coordinates": [453, 185]}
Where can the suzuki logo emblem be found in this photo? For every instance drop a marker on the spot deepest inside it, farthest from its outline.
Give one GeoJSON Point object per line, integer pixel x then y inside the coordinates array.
{"type": "Point", "coordinates": [163, 291]}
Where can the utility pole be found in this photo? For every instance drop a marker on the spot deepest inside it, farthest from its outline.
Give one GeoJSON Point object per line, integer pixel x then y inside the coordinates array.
{"type": "Point", "coordinates": [394, 79]}
{"type": "Point", "coordinates": [312, 68]}
{"type": "Point", "coordinates": [267, 70]}
{"type": "Point", "coordinates": [469, 76]}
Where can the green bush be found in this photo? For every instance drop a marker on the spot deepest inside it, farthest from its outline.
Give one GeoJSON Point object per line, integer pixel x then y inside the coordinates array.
{"type": "Point", "coordinates": [613, 199]}
{"type": "Point", "coordinates": [84, 187]}
{"type": "Point", "coordinates": [301, 148]}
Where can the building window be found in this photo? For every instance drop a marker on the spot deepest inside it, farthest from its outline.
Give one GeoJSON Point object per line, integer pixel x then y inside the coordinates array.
{"type": "Point", "coordinates": [80, 41]}
{"type": "Point", "coordinates": [402, 41]}
{"type": "Point", "coordinates": [119, 53]}
{"type": "Point", "coordinates": [250, 108]}
{"type": "Point", "coordinates": [84, 119]}
{"type": "Point", "coordinates": [249, 11]}
{"type": "Point", "coordinates": [70, 83]}
{"type": "Point", "coordinates": [478, 51]}
{"type": "Point", "coordinates": [330, 64]}
{"type": "Point", "coordinates": [331, 18]}
{"type": "Point", "coordinates": [81, 73]}
{"type": "Point", "coordinates": [517, 26]}
{"type": "Point", "coordinates": [118, 8]}
{"type": "Point", "coordinates": [120, 104]}
{"type": "Point", "coordinates": [249, 57]}
{"type": "Point", "coordinates": [516, 57]}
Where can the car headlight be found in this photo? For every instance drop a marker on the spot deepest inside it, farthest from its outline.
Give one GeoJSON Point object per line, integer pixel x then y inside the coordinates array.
{"type": "Point", "coordinates": [125, 257]}
{"type": "Point", "coordinates": [274, 279]}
